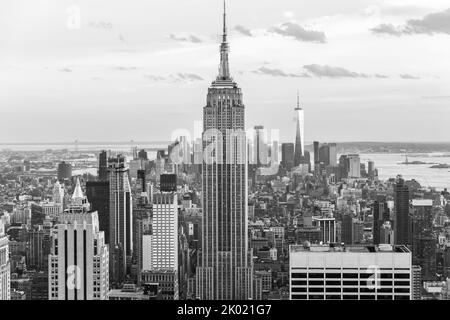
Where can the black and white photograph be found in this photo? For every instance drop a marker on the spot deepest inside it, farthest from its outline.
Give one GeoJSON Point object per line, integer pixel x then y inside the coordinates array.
{"type": "Point", "coordinates": [240, 153]}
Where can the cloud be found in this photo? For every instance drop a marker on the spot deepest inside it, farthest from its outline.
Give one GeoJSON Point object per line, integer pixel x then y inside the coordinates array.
{"type": "Point", "coordinates": [387, 28]}
{"type": "Point", "coordinates": [279, 73]}
{"type": "Point", "coordinates": [290, 29]}
{"type": "Point", "coordinates": [243, 30]}
{"type": "Point", "coordinates": [174, 78]}
{"type": "Point", "coordinates": [332, 72]}
{"type": "Point", "coordinates": [125, 68]}
{"type": "Point", "coordinates": [154, 78]}
{"type": "Point", "coordinates": [430, 24]}
{"type": "Point", "coordinates": [380, 76]}
{"type": "Point", "coordinates": [190, 38]}
{"type": "Point", "coordinates": [121, 38]}
{"type": "Point", "coordinates": [408, 76]}
{"type": "Point", "coordinates": [100, 25]}
{"type": "Point", "coordinates": [289, 14]}
{"type": "Point", "coordinates": [436, 97]}
{"type": "Point", "coordinates": [189, 77]}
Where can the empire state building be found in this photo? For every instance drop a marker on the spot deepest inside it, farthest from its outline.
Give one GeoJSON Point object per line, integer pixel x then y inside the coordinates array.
{"type": "Point", "coordinates": [226, 269]}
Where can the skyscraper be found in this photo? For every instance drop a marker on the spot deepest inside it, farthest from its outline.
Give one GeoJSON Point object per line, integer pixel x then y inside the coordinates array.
{"type": "Point", "coordinates": [226, 268]}
{"type": "Point", "coordinates": [164, 245]}
{"type": "Point", "coordinates": [103, 166]}
{"type": "Point", "coordinates": [299, 133]}
{"type": "Point", "coordinates": [120, 219]}
{"type": "Point", "coordinates": [64, 171]}
{"type": "Point", "coordinates": [287, 155]}
{"type": "Point", "coordinates": [79, 258]}
{"type": "Point", "coordinates": [354, 166]}
{"type": "Point", "coordinates": [260, 149]}
{"type": "Point", "coordinates": [380, 215]}
{"type": "Point", "coordinates": [316, 154]}
{"type": "Point", "coordinates": [5, 285]}
{"type": "Point", "coordinates": [423, 241]}
{"type": "Point", "coordinates": [58, 193]}
{"type": "Point", "coordinates": [401, 201]}
{"type": "Point", "coordinates": [97, 193]}
{"type": "Point", "coordinates": [324, 154]}
{"type": "Point", "coordinates": [333, 154]}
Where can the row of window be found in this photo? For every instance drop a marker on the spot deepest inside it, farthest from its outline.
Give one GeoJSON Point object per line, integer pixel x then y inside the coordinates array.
{"type": "Point", "coordinates": [297, 275]}
{"type": "Point", "coordinates": [353, 290]}
{"type": "Point", "coordinates": [348, 282]}
{"type": "Point", "coordinates": [349, 297]}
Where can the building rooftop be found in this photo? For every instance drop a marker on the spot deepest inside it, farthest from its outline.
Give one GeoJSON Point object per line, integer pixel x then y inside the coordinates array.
{"type": "Point", "coordinates": [348, 248]}
{"type": "Point", "coordinates": [422, 202]}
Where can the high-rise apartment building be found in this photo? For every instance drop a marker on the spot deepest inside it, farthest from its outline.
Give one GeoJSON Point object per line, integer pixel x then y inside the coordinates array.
{"type": "Point", "coordinates": [225, 270]}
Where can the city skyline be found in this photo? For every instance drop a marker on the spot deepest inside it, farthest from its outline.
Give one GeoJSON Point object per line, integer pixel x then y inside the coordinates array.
{"type": "Point", "coordinates": [88, 72]}
{"type": "Point", "coordinates": [243, 205]}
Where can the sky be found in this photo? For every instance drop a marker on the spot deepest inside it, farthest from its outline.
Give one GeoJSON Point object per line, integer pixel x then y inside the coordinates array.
{"type": "Point", "coordinates": [110, 70]}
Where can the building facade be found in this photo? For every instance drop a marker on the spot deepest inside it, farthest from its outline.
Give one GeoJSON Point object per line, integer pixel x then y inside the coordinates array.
{"type": "Point", "coordinates": [5, 282]}
{"type": "Point", "coordinates": [225, 270]}
{"type": "Point", "coordinates": [120, 220]}
{"type": "Point", "coordinates": [350, 273]}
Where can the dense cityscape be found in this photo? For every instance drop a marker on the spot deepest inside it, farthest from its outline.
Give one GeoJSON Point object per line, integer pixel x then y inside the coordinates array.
{"type": "Point", "coordinates": [225, 214]}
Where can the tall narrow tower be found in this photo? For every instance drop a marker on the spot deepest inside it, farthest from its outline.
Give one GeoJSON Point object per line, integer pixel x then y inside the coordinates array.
{"type": "Point", "coordinates": [120, 220]}
{"type": "Point", "coordinates": [226, 267]}
{"type": "Point", "coordinates": [299, 133]}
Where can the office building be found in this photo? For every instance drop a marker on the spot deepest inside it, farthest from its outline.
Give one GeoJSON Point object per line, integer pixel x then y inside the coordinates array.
{"type": "Point", "coordinates": [39, 243]}
{"type": "Point", "coordinates": [380, 211]}
{"type": "Point", "coordinates": [327, 227]}
{"type": "Point", "coordinates": [64, 171]}
{"type": "Point", "coordinates": [79, 258]}
{"type": "Point", "coordinates": [354, 166]}
{"type": "Point", "coordinates": [103, 166]}
{"type": "Point", "coordinates": [401, 223]}
{"type": "Point", "coordinates": [423, 241]}
{"type": "Point", "coordinates": [287, 155]}
{"type": "Point", "coordinates": [324, 272]}
{"type": "Point", "coordinates": [225, 270]}
{"type": "Point", "coordinates": [160, 249]}
{"type": "Point", "coordinates": [416, 282]}
{"type": "Point", "coordinates": [260, 146]}
{"type": "Point", "coordinates": [5, 284]}
{"type": "Point", "coordinates": [97, 193]}
{"type": "Point", "coordinates": [120, 220]}
{"type": "Point", "coordinates": [58, 193]}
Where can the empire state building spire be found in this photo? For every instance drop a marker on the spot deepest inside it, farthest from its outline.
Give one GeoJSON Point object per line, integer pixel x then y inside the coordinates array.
{"type": "Point", "coordinates": [224, 69]}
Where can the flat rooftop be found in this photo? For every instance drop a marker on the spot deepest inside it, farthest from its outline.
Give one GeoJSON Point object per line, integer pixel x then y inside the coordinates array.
{"type": "Point", "coordinates": [348, 248]}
